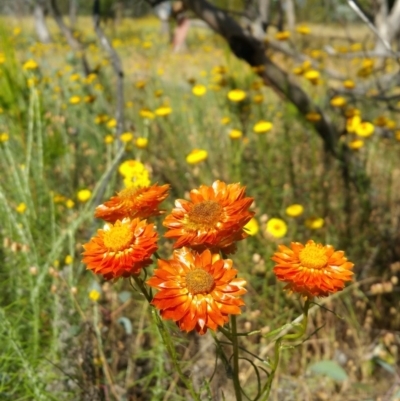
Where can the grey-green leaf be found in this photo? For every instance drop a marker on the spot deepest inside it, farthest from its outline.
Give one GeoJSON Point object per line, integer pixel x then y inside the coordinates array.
{"type": "Point", "coordinates": [329, 368]}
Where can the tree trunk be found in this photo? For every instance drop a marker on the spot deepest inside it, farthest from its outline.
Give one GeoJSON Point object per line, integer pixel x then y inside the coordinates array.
{"type": "Point", "coordinates": [387, 24]}
{"type": "Point", "coordinates": [119, 11]}
{"type": "Point", "coordinates": [381, 24]}
{"type": "Point", "coordinates": [288, 7]}
{"type": "Point", "coordinates": [40, 22]}
{"type": "Point", "coordinates": [73, 11]}
{"type": "Point", "coordinates": [263, 9]}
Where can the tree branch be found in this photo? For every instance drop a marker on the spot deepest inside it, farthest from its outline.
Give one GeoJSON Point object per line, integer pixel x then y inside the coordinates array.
{"type": "Point", "coordinates": [117, 67]}
{"type": "Point", "coordinates": [252, 51]}
{"type": "Point", "coordinates": [75, 45]}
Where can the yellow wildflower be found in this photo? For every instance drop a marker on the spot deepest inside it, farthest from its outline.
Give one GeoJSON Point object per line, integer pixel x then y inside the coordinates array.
{"type": "Point", "coordinates": [101, 119]}
{"type": "Point", "coordinates": [349, 84]}
{"type": "Point", "coordinates": [196, 156]}
{"type": "Point", "coordinates": [262, 127]}
{"type": "Point", "coordinates": [298, 70]}
{"type": "Point", "coordinates": [68, 260]}
{"type": "Point", "coordinates": [352, 123]}
{"type": "Point", "coordinates": [69, 203]}
{"type": "Point", "coordinates": [251, 227]}
{"type": "Point", "coordinates": [30, 65]}
{"type": "Point", "coordinates": [163, 111]}
{"type": "Point", "coordinates": [314, 223]}
{"type": "Point", "coordinates": [276, 227]}
{"type": "Point", "coordinates": [94, 295]}
{"type": "Point", "coordinates": [303, 30]}
{"type": "Point", "coordinates": [236, 95]}
{"type": "Point", "coordinates": [126, 137]}
{"type": "Point", "coordinates": [140, 84]}
{"type": "Point", "coordinates": [141, 142]}
{"type": "Point", "coordinates": [74, 100]}
{"type": "Point", "coordinates": [225, 120]}
{"type": "Point", "coordinates": [84, 195]}
{"type": "Point", "coordinates": [380, 121]}
{"type": "Point", "coordinates": [235, 134]}
{"type": "Point", "coordinates": [112, 123]}
{"type": "Point", "coordinates": [391, 124]}
{"type": "Point", "coordinates": [199, 90]}
{"type": "Point", "coordinates": [282, 35]}
{"type": "Point", "coordinates": [258, 98]}
{"type": "Point", "coordinates": [295, 210]}
{"type": "Point", "coordinates": [21, 208]}
{"type": "Point", "coordinates": [313, 116]}
{"type": "Point", "coordinates": [4, 137]}
{"type": "Point", "coordinates": [365, 129]}
{"type": "Point", "coordinates": [108, 139]}
{"type": "Point", "coordinates": [356, 144]}
{"type": "Point", "coordinates": [89, 98]}
{"type": "Point", "coordinates": [313, 76]}
{"type": "Point", "coordinates": [146, 113]}
{"type": "Point", "coordinates": [338, 101]}
{"type": "Point", "coordinates": [74, 77]}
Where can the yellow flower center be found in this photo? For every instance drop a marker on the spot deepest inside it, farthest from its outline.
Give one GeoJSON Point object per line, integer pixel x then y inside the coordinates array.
{"type": "Point", "coordinates": [118, 238]}
{"type": "Point", "coordinates": [313, 256]}
{"type": "Point", "coordinates": [129, 193]}
{"type": "Point", "coordinates": [199, 281]}
{"type": "Point", "coordinates": [205, 214]}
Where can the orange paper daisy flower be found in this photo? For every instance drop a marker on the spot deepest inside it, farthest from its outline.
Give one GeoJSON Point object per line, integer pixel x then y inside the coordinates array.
{"type": "Point", "coordinates": [214, 218]}
{"type": "Point", "coordinates": [133, 202]}
{"type": "Point", "coordinates": [198, 291]}
{"type": "Point", "coordinates": [121, 249]}
{"type": "Point", "coordinates": [313, 270]}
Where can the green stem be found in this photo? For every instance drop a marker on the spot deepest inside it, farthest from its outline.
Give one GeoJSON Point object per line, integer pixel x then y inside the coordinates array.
{"type": "Point", "coordinates": [278, 346]}
{"type": "Point", "coordinates": [236, 382]}
{"type": "Point", "coordinates": [166, 339]}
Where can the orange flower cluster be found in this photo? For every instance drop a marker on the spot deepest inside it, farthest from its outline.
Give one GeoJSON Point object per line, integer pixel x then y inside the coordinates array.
{"type": "Point", "coordinates": [197, 288]}
{"type": "Point", "coordinates": [126, 243]}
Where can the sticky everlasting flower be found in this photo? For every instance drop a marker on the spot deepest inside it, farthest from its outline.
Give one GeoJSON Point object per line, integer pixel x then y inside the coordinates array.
{"type": "Point", "coordinates": [121, 249]}
{"type": "Point", "coordinates": [133, 202]}
{"type": "Point", "coordinates": [313, 270]}
{"type": "Point", "coordinates": [198, 291]}
{"type": "Point", "coordinates": [214, 218]}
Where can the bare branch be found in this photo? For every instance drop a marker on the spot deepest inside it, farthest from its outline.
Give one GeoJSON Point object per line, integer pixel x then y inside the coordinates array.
{"type": "Point", "coordinates": [355, 7]}
{"type": "Point", "coordinates": [75, 45]}
{"type": "Point", "coordinates": [117, 67]}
